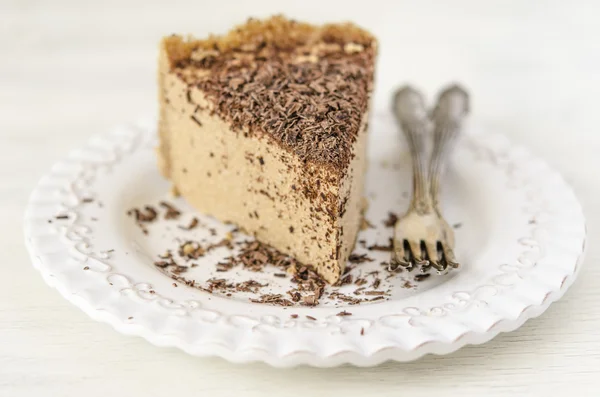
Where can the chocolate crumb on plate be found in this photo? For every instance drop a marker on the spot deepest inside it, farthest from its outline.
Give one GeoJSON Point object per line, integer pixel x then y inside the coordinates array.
{"type": "Point", "coordinates": [172, 212]}
{"type": "Point", "coordinates": [310, 300]}
{"type": "Point", "coordinates": [374, 293]}
{"type": "Point", "coordinates": [169, 265]}
{"type": "Point", "coordinates": [249, 286]}
{"type": "Point", "coordinates": [345, 298]}
{"type": "Point", "coordinates": [362, 331]}
{"type": "Point", "coordinates": [358, 259]}
{"type": "Point", "coordinates": [224, 266]}
{"type": "Point", "coordinates": [219, 284]}
{"type": "Point", "coordinates": [275, 299]}
{"type": "Point", "coordinates": [391, 220]}
{"type": "Point", "coordinates": [421, 277]}
{"type": "Point", "coordinates": [311, 318]}
{"type": "Point", "coordinates": [293, 315]}
{"type": "Point", "coordinates": [147, 214]}
{"type": "Point", "coordinates": [344, 313]}
{"type": "Point", "coordinates": [191, 250]}
{"type": "Point", "coordinates": [294, 295]}
{"type": "Point", "coordinates": [385, 248]}
{"type": "Point", "coordinates": [407, 284]}
{"type": "Point", "coordinates": [192, 225]}
{"type": "Point", "coordinates": [376, 283]}
{"type": "Point", "coordinates": [360, 281]}
{"type": "Point", "coordinates": [345, 280]}
{"type": "Point", "coordinates": [62, 216]}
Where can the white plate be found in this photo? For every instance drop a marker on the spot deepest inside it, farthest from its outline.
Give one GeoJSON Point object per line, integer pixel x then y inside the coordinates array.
{"type": "Point", "coordinates": [520, 241]}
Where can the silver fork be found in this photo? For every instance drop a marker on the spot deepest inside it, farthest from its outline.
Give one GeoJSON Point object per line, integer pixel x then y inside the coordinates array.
{"type": "Point", "coordinates": [422, 238]}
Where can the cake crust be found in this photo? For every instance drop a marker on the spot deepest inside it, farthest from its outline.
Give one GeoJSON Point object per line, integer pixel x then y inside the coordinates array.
{"type": "Point", "coordinates": [278, 32]}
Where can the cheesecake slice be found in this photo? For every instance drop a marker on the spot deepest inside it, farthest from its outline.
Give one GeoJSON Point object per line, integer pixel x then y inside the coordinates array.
{"type": "Point", "coordinates": [266, 127]}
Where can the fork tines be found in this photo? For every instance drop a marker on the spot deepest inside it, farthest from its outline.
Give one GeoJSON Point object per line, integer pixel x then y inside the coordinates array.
{"type": "Point", "coordinates": [441, 261]}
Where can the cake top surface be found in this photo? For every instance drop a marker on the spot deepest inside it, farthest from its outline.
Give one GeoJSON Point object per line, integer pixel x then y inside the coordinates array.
{"type": "Point", "coordinates": [305, 86]}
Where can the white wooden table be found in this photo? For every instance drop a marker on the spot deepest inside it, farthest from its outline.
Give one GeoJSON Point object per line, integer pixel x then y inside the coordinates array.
{"type": "Point", "coordinates": [71, 68]}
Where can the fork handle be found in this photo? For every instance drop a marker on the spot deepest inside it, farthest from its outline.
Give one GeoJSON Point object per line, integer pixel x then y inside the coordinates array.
{"type": "Point", "coordinates": [448, 116]}
{"type": "Point", "coordinates": [409, 108]}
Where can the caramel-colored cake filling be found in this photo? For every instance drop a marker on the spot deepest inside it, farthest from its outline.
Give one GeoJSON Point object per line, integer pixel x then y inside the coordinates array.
{"type": "Point", "coordinates": [266, 127]}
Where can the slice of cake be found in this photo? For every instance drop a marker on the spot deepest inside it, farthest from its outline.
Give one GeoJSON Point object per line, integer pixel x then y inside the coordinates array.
{"type": "Point", "coordinates": [265, 127]}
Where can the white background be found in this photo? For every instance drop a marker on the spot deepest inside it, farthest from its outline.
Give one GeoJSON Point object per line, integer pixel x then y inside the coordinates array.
{"type": "Point", "coordinates": [72, 68]}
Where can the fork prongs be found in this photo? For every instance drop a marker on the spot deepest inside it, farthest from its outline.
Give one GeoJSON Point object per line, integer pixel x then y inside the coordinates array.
{"type": "Point", "coordinates": [435, 255]}
{"type": "Point", "coordinates": [424, 255]}
{"type": "Point", "coordinates": [449, 259]}
{"type": "Point", "coordinates": [418, 254]}
{"type": "Point", "coordinates": [401, 257]}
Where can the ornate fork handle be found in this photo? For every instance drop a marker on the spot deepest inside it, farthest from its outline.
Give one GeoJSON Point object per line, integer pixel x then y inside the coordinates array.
{"type": "Point", "coordinates": [448, 116]}
{"type": "Point", "coordinates": [409, 108]}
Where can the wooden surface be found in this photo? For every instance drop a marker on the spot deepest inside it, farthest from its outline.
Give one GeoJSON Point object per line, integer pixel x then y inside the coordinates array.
{"type": "Point", "coordinates": [72, 68]}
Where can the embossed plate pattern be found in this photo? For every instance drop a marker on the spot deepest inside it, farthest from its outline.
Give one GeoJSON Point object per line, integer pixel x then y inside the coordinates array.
{"type": "Point", "coordinates": [520, 238]}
